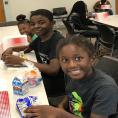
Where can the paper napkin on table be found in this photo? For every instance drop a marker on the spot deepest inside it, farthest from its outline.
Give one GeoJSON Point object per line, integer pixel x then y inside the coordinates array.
{"type": "Point", "coordinates": [4, 105]}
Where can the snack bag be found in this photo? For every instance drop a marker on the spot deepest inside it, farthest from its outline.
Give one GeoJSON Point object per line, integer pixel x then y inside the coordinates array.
{"type": "Point", "coordinates": [34, 77]}
{"type": "Point", "coordinates": [20, 84]}
{"type": "Point", "coordinates": [32, 74]}
{"type": "Point", "coordinates": [23, 103]}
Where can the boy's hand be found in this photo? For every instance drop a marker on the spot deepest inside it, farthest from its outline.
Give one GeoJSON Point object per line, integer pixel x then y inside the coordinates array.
{"type": "Point", "coordinates": [8, 51]}
{"type": "Point", "coordinates": [12, 59]}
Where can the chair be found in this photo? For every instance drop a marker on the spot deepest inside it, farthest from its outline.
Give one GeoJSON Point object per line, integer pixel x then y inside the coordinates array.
{"type": "Point", "coordinates": [71, 30]}
{"type": "Point", "coordinates": [68, 26]}
{"type": "Point", "coordinates": [87, 33]}
{"type": "Point", "coordinates": [89, 29]}
{"type": "Point", "coordinates": [109, 65]}
{"type": "Point", "coordinates": [107, 38]}
{"type": "Point", "coordinates": [115, 115]}
{"type": "Point", "coordinates": [59, 11]}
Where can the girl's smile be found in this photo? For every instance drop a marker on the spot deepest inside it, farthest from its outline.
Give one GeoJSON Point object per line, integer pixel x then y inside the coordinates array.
{"type": "Point", "coordinates": [75, 61]}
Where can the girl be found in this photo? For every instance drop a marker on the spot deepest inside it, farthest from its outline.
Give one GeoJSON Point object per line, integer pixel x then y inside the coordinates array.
{"type": "Point", "coordinates": [90, 92]}
{"type": "Point", "coordinates": [25, 28]}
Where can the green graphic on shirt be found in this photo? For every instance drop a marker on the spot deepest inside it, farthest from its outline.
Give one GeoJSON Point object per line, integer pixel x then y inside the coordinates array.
{"type": "Point", "coordinates": [77, 104]}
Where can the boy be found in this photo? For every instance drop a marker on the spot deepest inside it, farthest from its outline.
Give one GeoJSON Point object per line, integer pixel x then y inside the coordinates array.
{"type": "Point", "coordinates": [45, 50]}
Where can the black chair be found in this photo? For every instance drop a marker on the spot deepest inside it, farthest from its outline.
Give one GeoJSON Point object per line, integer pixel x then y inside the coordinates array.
{"type": "Point", "coordinates": [109, 65]}
{"type": "Point", "coordinates": [59, 11]}
{"type": "Point", "coordinates": [87, 33]}
{"type": "Point", "coordinates": [115, 115]}
{"type": "Point", "coordinates": [68, 26]}
{"type": "Point", "coordinates": [90, 29]}
{"type": "Point", "coordinates": [71, 30]}
{"type": "Point", "coordinates": [108, 38]}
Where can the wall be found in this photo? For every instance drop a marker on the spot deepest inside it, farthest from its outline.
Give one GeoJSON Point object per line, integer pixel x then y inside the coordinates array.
{"type": "Point", "coordinates": [16, 7]}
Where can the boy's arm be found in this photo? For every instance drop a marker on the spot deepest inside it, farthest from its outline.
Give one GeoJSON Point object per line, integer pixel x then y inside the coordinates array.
{"type": "Point", "coordinates": [63, 103]}
{"type": "Point", "coordinates": [10, 50]}
{"type": "Point", "coordinates": [7, 54]}
{"type": "Point", "coordinates": [18, 48]}
{"type": "Point", "coordinates": [52, 68]}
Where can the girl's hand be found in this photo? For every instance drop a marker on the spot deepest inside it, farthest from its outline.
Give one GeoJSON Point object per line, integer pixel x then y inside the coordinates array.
{"type": "Point", "coordinates": [61, 106]}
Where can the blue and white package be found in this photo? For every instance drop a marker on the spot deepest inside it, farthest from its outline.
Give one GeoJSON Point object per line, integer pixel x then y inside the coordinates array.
{"type": "Point", "coordinates": [23, 103]}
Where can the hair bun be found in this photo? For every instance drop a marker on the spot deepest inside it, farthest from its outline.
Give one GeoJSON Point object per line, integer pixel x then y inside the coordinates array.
{"type": "Point", "coordinates": [21, 17]}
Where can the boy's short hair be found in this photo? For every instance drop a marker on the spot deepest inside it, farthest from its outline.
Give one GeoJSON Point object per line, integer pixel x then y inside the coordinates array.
{"type": "Point", "coordinates": [78, 40]}
{"type": "Point", "coordinates": [43, 12]}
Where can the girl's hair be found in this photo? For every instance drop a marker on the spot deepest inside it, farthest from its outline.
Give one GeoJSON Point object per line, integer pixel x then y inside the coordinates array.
{"type": "Point", "coordinates": [43, 12]}
{"type": "Point", "coordinates": [78, 40]}
{"type": "Point", "coordinates": [22, 19]}
{"type": "Point", "coordinates": [80, 8]}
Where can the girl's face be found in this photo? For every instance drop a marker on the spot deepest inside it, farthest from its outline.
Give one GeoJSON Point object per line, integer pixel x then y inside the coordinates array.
{"type": "Point", "coordinates": [41, 25]}
{"type": "Point", "coordinates": [75, 61]}
{"type": "Point", "coordinates": [24, 28]}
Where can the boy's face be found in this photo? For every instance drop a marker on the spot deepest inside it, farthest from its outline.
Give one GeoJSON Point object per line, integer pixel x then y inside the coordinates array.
{"type": "Point", "coordinates": [41, 25]}
{"type": "Point", "coordinates": [75, 61]}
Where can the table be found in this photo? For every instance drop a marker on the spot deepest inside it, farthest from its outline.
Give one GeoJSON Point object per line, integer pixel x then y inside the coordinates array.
{"type": "Point", "coordinates": [6, 77]}
{"type": "Point", "coordinates": [111, 21]}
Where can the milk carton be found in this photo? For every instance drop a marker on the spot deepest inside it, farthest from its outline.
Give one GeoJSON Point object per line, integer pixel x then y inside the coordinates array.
{"type": "Point", "coordinates": [20, 85]}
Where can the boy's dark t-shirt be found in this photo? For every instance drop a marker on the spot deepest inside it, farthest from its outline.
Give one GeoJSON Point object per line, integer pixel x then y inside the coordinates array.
{"type": "Point", "coordinates": [97, 93]}
{"type": "Point", "coordinates": [45, 51]}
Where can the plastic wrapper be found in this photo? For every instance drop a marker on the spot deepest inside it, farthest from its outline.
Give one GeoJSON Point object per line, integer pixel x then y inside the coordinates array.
{"type": "Point", "coordinates": [23, 103]}
{"type": "Point", "coordinates": [32, 74]}
{"type": "Point", "coordinates": [20, 84]}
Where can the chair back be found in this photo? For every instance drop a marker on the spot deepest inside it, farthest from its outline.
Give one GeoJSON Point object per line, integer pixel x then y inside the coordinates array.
{"type": "Point", "coordinates": [68, 26]}
{"type": "Point", "coordinates": [107, 35]}
{"type": "Point", "coordinates": [109, 65]}
{"type": "Point", "coordinates": [59, 11]}
{"type": "Point", "coordinates": [115, 115]}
